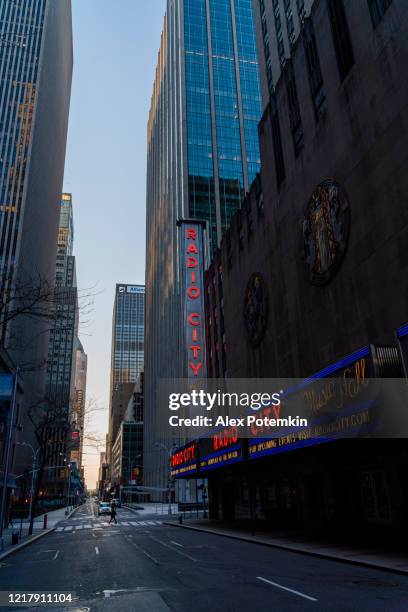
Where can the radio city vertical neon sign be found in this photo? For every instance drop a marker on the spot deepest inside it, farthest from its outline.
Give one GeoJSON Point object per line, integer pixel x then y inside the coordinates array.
{"type": "Point", "coordinates": [192, 255]}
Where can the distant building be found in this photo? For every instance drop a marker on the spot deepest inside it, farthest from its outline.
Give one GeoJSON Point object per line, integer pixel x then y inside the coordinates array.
{"type": "Point", "coordinates": [127, 458]}
{"type": "Point", "coordinates": [60, 382]}
{"type": "Point", "coordinates": [103, 475]}
{"type": "Point", "coordinates": [35, 50]}
{"type": "Point", "coordinates": [135, 408]}
{"type": "Point", "coordinates": [79, 406]}
{"type": "Point", "coordinates": [127, 356]}
{"type": "Point", "coordinates": [127, 452]}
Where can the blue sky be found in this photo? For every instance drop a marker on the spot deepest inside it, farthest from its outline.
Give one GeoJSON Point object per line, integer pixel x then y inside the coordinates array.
{"type": "Point", "coordinates": [115, 53]}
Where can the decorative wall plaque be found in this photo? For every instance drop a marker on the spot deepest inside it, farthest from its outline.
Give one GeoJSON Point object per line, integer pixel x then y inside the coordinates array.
{"type": "Point", "coordinates": [255, 309]}
{"type": "Point", "coordinates": [326, 228]}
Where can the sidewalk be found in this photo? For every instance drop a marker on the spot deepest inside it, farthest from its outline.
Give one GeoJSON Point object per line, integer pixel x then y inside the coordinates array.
{"type": "Point", "coordinates": [374, 557]}
{"type": "Point", "coordinates": [152, 508]}
{"type": "Point", "coordinates": [53, 517]}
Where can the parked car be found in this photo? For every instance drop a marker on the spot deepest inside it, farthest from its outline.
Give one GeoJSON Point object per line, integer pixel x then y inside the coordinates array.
{"type": "Point", "coordinates": [104, 508]}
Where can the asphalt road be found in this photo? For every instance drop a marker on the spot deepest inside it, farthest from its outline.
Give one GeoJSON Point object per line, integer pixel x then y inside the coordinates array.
{"type": "Point", "coordinates": [142, 565]}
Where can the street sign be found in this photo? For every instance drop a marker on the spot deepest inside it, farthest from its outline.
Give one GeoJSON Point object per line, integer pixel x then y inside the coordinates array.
{"type": "Point", "coordinates": [6, 386]}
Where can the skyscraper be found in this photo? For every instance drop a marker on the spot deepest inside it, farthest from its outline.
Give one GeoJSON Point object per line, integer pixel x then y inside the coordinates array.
{"type": "Point", "coordinates": [127, 356]}
{"type": "Point", "coordinates": [203, 154]}
{"type": "Point", "coordinates": [81, 367]}
{"type": "Point", "coordinates": [62, 351]}
{"type": "Point", "coordinates": [35, 87]}
{"type": "Point", "coordinates": [63, 334]}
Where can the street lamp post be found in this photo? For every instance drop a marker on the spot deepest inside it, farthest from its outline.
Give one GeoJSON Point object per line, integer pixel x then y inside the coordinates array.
{"type": "Point", "coordinates": [69, 487]}
{"type": "Point", "coordinates": [8, 453]}
{"type": "Point", "coordinates": [30, 512]}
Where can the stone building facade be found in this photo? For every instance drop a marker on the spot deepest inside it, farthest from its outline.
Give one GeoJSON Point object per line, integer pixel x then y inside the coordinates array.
{"type": "Point", "coordinates": [313, 269]}
{"type": "Point", "coordinates": [330, 242]}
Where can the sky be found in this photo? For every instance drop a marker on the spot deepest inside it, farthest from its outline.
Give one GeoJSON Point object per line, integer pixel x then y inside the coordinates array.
{"type": "Point", "coordinates": [115, 53]}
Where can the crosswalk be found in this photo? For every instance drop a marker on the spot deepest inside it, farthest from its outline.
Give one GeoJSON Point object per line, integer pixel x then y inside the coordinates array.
{"type": "Point", "coordinates": [102, 524]}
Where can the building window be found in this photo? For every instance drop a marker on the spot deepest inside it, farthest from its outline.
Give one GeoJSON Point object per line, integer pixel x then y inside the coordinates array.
{"type": "Point", "coordinates": [301, 9]}
{"type": "Point", "coordinates": [313, 69]}
{"type": "Point", "coordinates": [341, 37]}
{"type": "Point", "coordinates": [276, 133]}
{"type": "Point", "coordinates": [294, 108]}
{"type": "Point", "coordinates": [377, 10]}
{"type": "Point", "coordinates": [289, 22]}
{"type": "Point", "coordinates": [278, 30]}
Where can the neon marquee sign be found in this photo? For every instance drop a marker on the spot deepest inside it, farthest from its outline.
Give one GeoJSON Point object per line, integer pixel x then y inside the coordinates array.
{"type": "Point", "coordinates": [192, 253]}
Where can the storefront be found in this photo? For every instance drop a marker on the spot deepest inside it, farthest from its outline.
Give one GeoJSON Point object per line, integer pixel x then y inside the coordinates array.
{"type": "Point", "coordinates": [333, 484]}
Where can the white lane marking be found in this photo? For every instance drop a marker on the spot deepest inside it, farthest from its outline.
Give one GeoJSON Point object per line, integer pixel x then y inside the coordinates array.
{"type": "Point", "coordinates": [68, 528]}
{"type": "Point", "coordinates": [59, 529]}
{"type": "Point", "coordinates": [108, 593]}
{"type": "Point", "coordinates": [280, 586]}
{"type": "Point", "coordinates": [173, 549]}
{"type": "Point", "coordinates": [142, 523]}
{"type": "Point", "coordinates": [47, 551]}
{"type": "Point", "coordinates": [176, 543]}
{"type": "Point", "coordinates": [134, 524]}
{"type": "Point", "coordinates": [87, 526]}
{"type": "Point", "coordinates": [124, 523]}
{"type": "Point", "coordinates": [151, 522]}
{"type": "Point", "coordinates": [96, 550]}
{"type": "Point", "coordinates": [155, 561]}
{"type": "Point", "coordinates": [78, 527]}
{"type": "Point", "coordinates": [55, 556]}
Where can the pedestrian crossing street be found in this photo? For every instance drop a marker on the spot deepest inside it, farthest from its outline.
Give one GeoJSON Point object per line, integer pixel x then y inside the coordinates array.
{"type": "Point", "coordinates": [102, 524]}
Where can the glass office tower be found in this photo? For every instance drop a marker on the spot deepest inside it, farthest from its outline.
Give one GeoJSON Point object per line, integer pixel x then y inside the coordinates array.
{"type": "Point", "coordinates": [222, 108]}
{"type": "Point", "coordinates": [127, 356]}
{"type": "Point", "coordinates": [128, 334]}
{"type": "Point", "coordinates": [203, 154]}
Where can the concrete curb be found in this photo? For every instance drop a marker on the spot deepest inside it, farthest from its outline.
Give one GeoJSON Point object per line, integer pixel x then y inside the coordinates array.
{"type": "Point", "coordinates": [70, 513]}
{"type": "Point", "coordinates": [296, 549]}
{"type": "Point", "coordinates": [26, 543]}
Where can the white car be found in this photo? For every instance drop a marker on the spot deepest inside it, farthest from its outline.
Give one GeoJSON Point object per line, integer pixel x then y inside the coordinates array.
{"type": "Point", "coordinates": [104, 508]}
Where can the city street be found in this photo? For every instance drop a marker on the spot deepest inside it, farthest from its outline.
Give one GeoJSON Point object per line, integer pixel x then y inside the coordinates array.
{"type": "Point", "coordinates": [144, 564]}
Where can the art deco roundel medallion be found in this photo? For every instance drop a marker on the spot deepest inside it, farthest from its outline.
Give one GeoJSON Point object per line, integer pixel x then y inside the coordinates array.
{"type": "Point", "coordinates": [326, 229]}
{"type": "Point", "coordinates": [255, 309]}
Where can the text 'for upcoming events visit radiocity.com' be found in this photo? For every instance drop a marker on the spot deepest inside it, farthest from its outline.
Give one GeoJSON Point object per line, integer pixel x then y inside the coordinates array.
{"type": "Point", "coordinates": [204, 305]}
